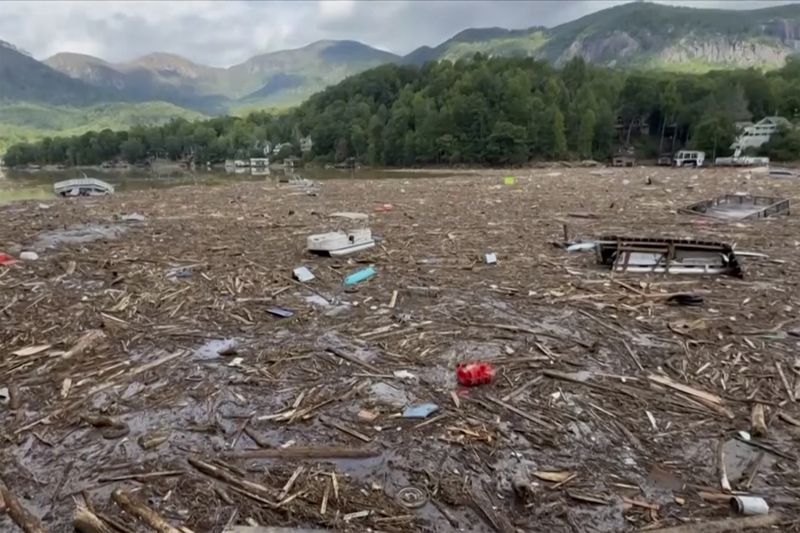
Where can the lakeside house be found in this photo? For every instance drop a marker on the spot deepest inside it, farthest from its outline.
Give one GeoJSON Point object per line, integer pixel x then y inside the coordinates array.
{"type": "Point", "coordinates": [755, 135]}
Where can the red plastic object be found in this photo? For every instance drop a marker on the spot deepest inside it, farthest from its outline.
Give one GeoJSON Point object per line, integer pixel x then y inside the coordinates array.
{"type": "Point", "coordinates": [6, 260]}
{"type": "Point", "coordinates": [474, 374]}
{"type": "Point", "coordinates": [385, 208]}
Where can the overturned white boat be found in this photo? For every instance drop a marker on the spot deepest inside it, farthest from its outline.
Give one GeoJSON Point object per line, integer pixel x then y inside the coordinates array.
{"type": "Point", "coordinates": [343, 241]}
{"type": "Point", "coordinates": [83, 187]}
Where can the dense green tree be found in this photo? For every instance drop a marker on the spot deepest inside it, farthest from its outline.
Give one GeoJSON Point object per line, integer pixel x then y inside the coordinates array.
{"type": "Point", "coordinates": [784, 145]}
{"type": "Point", "coordinates": [481, 110]}
{"type": "Point", "coordinates": [714, 134]}
{"type": "Point", "coordinates": [558, 146]}
{"type": "Point", "coordinates": [506, 144]}
{"type": "Point", "coordinates": [586, 134]}
{"type": "Point", "coordinates": [375, 141]}
{"type": "Point", "coordinates": [132, 150]}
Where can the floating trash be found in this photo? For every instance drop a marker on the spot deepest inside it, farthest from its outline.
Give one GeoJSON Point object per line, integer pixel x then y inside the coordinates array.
{"type": "Point", "coordinates": [358, 277]}
{"type": "Point", "coordinates": [412, 497]}
{"type": "Point", "coordinates": [303, 274]}
{"type": "Point", "coordinates": [420, 411]}
{"type": "Point", "coordinates": [280, 312]}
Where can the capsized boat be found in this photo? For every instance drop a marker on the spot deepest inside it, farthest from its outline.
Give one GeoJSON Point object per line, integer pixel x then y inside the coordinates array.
{"type": "Point", "coordinates": [83, 187]}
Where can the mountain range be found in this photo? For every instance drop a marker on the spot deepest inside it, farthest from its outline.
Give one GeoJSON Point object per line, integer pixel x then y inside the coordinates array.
{"type": "Point", "coordinates": [639, 34]}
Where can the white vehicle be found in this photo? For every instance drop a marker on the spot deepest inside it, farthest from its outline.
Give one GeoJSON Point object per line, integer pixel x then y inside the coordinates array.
{"type": "Point", "coordinates": [689, 158]}
{"type": "Point", "coordinates": [343, 242]}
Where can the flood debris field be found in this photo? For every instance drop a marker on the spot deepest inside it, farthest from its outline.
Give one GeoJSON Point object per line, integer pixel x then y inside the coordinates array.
{"type": "Point", "coordinates": [143, 378]}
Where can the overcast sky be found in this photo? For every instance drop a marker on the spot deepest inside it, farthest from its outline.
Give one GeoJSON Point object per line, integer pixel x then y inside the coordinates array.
{"type": "Point", "coordinates": [222, 33]}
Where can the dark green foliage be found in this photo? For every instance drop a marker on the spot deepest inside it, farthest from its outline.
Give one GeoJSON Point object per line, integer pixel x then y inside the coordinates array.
{"type": "Point", "coordinates": [784, 145]}
{"type": "Point", "coordinates": [501, 111]}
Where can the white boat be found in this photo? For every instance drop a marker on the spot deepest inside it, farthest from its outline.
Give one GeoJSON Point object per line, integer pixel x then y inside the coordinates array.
{"type": "Point", "coordinates": [342, 241]}
{"type": "Point", "coordinates": [83, 187]}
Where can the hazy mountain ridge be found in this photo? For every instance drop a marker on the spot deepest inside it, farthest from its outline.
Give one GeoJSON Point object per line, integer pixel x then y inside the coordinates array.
{"type": "Point", "coordinates": [643, 34]}
{"type": "Point", "coordinates": [635, 34]}
{"type": "Point", "coordinates": [172, 78]}
{"type": "Point", "coordinates": [632, 35]}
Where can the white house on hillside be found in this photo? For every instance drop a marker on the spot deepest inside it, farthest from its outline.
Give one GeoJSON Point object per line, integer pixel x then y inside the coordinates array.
{"type": "Point", "coordinates": [754, 135]}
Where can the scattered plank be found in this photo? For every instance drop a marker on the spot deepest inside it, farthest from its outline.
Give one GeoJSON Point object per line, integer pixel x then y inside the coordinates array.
{"type": "Point", "coordinates": [308, 452]}
{"type": "Point", "coordinates": [288, 486]}
{"type": "Point", "coordinates": [536, 420]}
{"type": "Point", "coordinates": [255, 491]}
{"type": "Point", "coordinates": [353, 359]}
{"type": "Point", "coordinates": [141, 476]}
{"type": "Point", "coordinates": [86, 521]}
{"type": "Point", "coordinates": [344, 429]}
{"type": "Point", "coordinates": [789, 419]}
{"type": "Point", "coordinates": [31, 350]}
{"type": "Point", "coordinates": [706, 399]}
{"type": "Point", "coordinates": [133, 507]}
{"type": "Point", "coordinates": [588, 498]}
{"type": "Point", "coordinates": [691, 391]}
{"type": "Point", "coordinates": [789, 391]}
{"type": "Point", "coordinates": [87, 341]}
{"type": "Point", "coordinates": [758, 423]}
{"type": "Point", "coordinates": [270, 529]}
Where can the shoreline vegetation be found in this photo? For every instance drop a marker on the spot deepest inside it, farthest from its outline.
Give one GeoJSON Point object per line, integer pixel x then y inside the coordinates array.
{"type": "Point", "coordinates": [482, 111]}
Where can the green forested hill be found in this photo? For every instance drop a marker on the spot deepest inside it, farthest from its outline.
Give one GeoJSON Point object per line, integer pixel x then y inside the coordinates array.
{"type": "Point", "coordinates": [21, 122]}
{"type": "Point", "coordinates": [637, 35]}
{"type": "Point", "coordinates": [495, 111]}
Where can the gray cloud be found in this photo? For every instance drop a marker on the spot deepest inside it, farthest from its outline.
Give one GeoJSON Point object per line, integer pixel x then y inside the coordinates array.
{"type": "Point", "coordinates": [224, 33]}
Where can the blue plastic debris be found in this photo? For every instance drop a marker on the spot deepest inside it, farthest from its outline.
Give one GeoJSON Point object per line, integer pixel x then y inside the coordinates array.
{"type": "Point", "coordinates": [420, 411]}
{"type": "Point", "coordinates": [280, 311]}
{"type": "Point", "coordinates": [358, 277]}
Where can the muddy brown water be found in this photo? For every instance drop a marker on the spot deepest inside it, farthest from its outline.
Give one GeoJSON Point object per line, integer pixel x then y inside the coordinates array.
{"type": "Point", "coordinates": [243, 241]}
{"type": "Point", "coordinates": [18, 185]}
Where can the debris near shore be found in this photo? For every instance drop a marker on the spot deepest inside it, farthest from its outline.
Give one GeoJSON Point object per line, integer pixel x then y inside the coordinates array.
{"type": "Point", "coordinates": [180, 375]}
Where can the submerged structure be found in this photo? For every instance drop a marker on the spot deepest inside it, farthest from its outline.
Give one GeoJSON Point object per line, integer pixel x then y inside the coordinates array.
{"type": "Point", "coordinates": [739, 207]}
{"type": "Point", "coordinates": [673, 256]}
{"type": "Point", "coordinates": [83, 187]}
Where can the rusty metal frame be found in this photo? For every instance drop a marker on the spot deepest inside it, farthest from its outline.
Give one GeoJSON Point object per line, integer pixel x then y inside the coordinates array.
{"type": "Point", "coordinates": [614, 252]}
{"type": "Point", "coordinates": [772, 206]}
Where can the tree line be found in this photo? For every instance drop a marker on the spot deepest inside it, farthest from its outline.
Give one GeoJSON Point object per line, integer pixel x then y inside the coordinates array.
{"type": "Point", "coordinates": [497, 111]}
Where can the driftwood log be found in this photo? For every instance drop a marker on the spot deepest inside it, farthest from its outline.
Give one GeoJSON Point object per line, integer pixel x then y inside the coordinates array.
{"type": "Point", "coordinates": [86, 521]}
{"type": "Point", "coordinates": [136, 508]}
{"type": "Point", "coordinates": [26, 521]}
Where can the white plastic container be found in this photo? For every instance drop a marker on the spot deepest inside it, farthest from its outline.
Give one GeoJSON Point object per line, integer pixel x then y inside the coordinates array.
{"type": "Point", "coordinates": [749, 505]}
